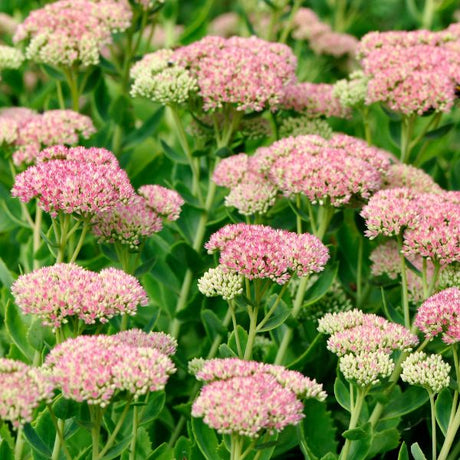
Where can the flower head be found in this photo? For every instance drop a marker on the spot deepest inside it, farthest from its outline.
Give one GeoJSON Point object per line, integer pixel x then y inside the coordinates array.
{"type": "Point", "coordinates": [60, 291]}
{"type": "Point", "coordinates": [218, 282]}
{"type": "Point", "coordinates": [428, 371]}
{"type": "Point", "coordinates": [72, 32]}
{"type": "Point", "coordinates": [402, 175]}
{"type": "Point", "coordinates": [22, 389]}
{"type": "Point", "coordinates": [10, 58]}
{"type": "Point", "coordinates": [366, 368]}
{"type": "Point", "coordinates": [257, 251]}
{"type": "Point", "coordinates": [167, 203]}
{"type": "Point", "coordinates": [353, 91]}
{"type": "Point", "coordinates": [440, 314]}
{"type": "Point", "coordinates": [247, 72]}
{"type": "Point", "coordinates": [94, 368]}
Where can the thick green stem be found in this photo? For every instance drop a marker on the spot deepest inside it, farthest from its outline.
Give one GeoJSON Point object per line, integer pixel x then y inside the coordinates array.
{"type": "Point", "coordinates": [450, 435]}
{"type": "Point", "coordinates": [19, 446]}
{"type": "Point", "coordinates": [286, 340]}
{"type": "Point", "coordinates": [235, 448]}
{"type": "Point", "coordinates": [404, 289]}
{"type": "Point", "coordinates": [96, 419]}
{"type": "Point", "coordinates": [253, 312]}
{"type": "Point", "coordinates": [36, 234]}
{"type": "Point", "coordinates": [407, 129]}
{"type": "Point", "coordinates": [132, 449]}
{"type": "Point", "coordinates": [325, 215]}
{"type": "Point", "coordinates": [428, 14]}
{"type": "Point", "coordinates": [359, 274]}
{"type": "Point", "coordinates": [288, 26]}
{"type": "Point", "coordinates": [235, 331]}
{"type": "Point", "coordinates": [81, 240]}
{"type": "Point", "coordinates": [59, 441]}
{"type": "Point", "coordinates": [355, 413]}
{"type": "Point", "coordinates": [298, 219]}
{"type": "Point", "coordinates": [71, 79]}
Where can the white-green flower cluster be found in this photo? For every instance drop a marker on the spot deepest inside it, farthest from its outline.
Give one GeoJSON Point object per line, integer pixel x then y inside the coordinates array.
{"type": "Point", "coordinates": [428, 371]}
{"type": "Point", "coordinates": [331, 323]}
{"type": "Point", "coordinates": [8, 131]}
{"type": "Point", "coordinates": [449, 276]}
{"type": "Point", "coordinates": [352, 92]}
{"type": "Point", "coordinates": [159, 79]}
{"type": "Point", "coordinates": [195, 365]}
{"type": "Point", "coordinates": [303, 125]}
{"type": "Point", "coordinates": [10, 58]}
{"type": "Point", "coordinates": [217, 282]}
{"type": "Point", "coordinates": [366, 368]}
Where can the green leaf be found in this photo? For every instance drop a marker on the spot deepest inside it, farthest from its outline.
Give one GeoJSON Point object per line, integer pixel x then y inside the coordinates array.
{"type": "Point", "coordinates": [359, 449]}
{"type": "Point", "coordinates": [279, 316]}
{"type": "Point", "coordinates": [65, 408]}
{"type": "Point", "coordinates": [143, 446]}
{"type": "Point", "coordinates": [102, 100]}
{"type": "Point", "coordinates": [36, 334]}
{"type": "Point", "coordinates": [394, 116]}
{"type": "Point", "coordinates": [198, 24]}
{"type": "Point", "coordinates": [145, 131]}
{"type": "Point", "coordinates": [395, 132]}
{"type": "Point", "coordinates": [212, 324]}
{"type": "Point", "coordinates": [119, 110]}
{"type": "Point", "coordinates": [92, 80]}
{"type": "Point", "coordinates": [404, 403]}
{"type": "Point", "coordinates": [439, 132]}
{"type": "Point", "coordinates": [360, 432]}
{"type": "Point", "coordinates": [52, 72]}
{"type": "Point", "coordinates": [322, 285]}
{"type": "Point", "coordinates": [6, 452]}
{"type": "Point", "coordinates": [443, 407]}
{"type": "Point", "coordinates": [403, 452]}
{"type": "Point", "coordinates": [224, 152]}
{"type": "Point", "coordinates": [319, 428]}
{"type": "Point", "coordinates": [226, 352]}
{"type": "Point", "coordinates": [172, 154]}
{"type": "Point", "coordinates": [183, 448]}
{"type": "Point", "coordinates": [17, 330]}
{"type": "Point", "coordinates": [145, 267]}
{"type": "Point", "coordinates": [162, 452]}
{"type": "Point", "coordinates": [116, 450]}
{"type": "Point", "coordinates": [417, 452]}
{"type": "Point", "coordinates": [154, 407]}
{"type": "Point", "coordinates": [384, 441]}
{"type": "Point", "coordinates": [5, 434]}
{"type": "Point", "coordinates": [243, 336]}
{"type": "Point", "coordinates": [205, 437]}
{"type": "Point", "coordinates": [35, 441]}
{"type": "Point", "coordinates": [6, 278]}
{"type": "Point", "coordinates": [342, 393]}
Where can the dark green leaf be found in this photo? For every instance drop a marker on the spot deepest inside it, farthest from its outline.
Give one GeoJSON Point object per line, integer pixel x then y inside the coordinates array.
{"type": "Point", "coordinates": [322, 285]}
{"type": "Point", "coordinates": [279, 316]}
{"type": "Point", "coordinates": [224, 152]}
{"type": "Point", "coordinates": [6, 278]}
{"type": "Point", "coordinates": [119, 110]}
{"type": "Point", "coordinates": [174, 156]}
{"type": "Point", "coordinates": [384, 441]}
{"type": "Point", "coordinates": [342, 394]}
{"type": "Point", "coordinates": [394, 116]}
{"type": "Point", "coordinates": [6, 452]}
{"type": "Point", "coordinates": [17, 330]}
{"type": "Point", "coordinates": [145, 267]}
{"type": "Point", "coordinates": [205, 437]}
{"type": "Point", "coordinates": [36, 334]}
{"type": "Point", "coordinates": [52, 72]}
{"type": "Point", "coordinates": [65, 408]}
{"type": "Point", "coordinates": [183, 448]}
{"type": "Point", "coordinates": [92, 80]}
{"type": "Point", "coordinates": [395, 132]}
{"type": "Point", "coordinates": [403, 452]}
{"type": "Point", "coordinates": [212, 324]}
{"type": "Point", "coordinates": [145, 131]}
{"type": "Point", "coordinates": [406, 402]}
{"type": "Point", "coordinates": [200, 153]}
{"type": "Point", "coordinates": [153, 408]}
{"type": "Point", "coordinates": [439, 132]}
{"type": "Point", "coordinates": [35, 441]}
{"type": "Point", "coordinates": [243, 336]}
{"type": "Point", "coordinates": [360, 432]}
{"type": "Point", "coordinates": [102, 100]}
{"type": "Point", "coordinates": [359, 449]}
{"type": "Point", "coordinates": [226, 352]}
{"type": "Point", "coordinates": [443, 409]}
{"type": "Point", "coordinates": [417, 452]}
{"type": "Point", "coordinates": [116, 450]}
{"type": "Point", "coordinates": [162, 452]}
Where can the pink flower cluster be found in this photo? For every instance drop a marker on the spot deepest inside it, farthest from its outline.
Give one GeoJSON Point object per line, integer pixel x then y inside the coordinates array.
{"type": "Point", "coordinates": [141, 216]}
{"type": "Point", "coordinates": [247, 72]}
{"type": "Point", "coordinates": [440, 314]}
{"type": "Point", "coordinates": [249, 398]}
{"type": "Point", "coordinates": [402, 175]}
{"type": "Point", "coordinates": [258, 251]}
{"type": "Point", "coordinates": [72, 32]}
{"type": "Point", "coordinates": [61, 291]}
{"type": "Point", "coordinates": [34, 131]}
{"type": "Point", "coordinates": [337, 170]}
{"type": "Point", "coordinates": [357, 332]}
{"type": "Point", "coordinates": [314, 99]}
{"type": "Point", "coordinates": [411, 72]}
{"type": "Point", "coordinates": [80, 185]}
{"type": "Point", "coordinates": [322, 39]}
{"type": "Point", "coordinates": [94, 368]}
{"type": "Point", "coordinates": [22, 389]}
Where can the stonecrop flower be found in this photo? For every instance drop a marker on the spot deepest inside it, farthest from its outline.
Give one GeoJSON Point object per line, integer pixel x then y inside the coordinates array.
{"type": "Point", "coordinates": [435, 235]}
{"type": "Point", "coordinates": [303, 125]}
{"type": "Point", "coordinates": [72, 32]}
{"type": "Point", "coordinates": [22, 389]}
{"type": "Point", "coordinates": [249, 73]}
{"type": "Point", "coordinates": [35, 131]}
{"type": "Point", "coordinates": [313, 99]}
{"type": "Point", "coordinates": [61, 291]}
{"type": "Point", "coordinates": [366, 368]}
{"type": "Point", "coordinates": [411, 72]}
{"type": "Point", "coordinates": [389, 212]}
{"type": "Point", "coordinates": [94, 368]}
{"type": "Point", "coordinates": [162, 342]}
{"type": "Point", "coordinates": [428, 371]}
{"type": "Point", "coordinates": [218, 282]}
{"type": "Point", "coordinates": [74, 185]}
{"type": "Point", "coordinates": [159, 79]}
{"type": "Point", "coordinates": [258, 251]}
{"type": "Point", "coordinates": [248, 397]}
{"type": "Point", "coordinates": [331, 323]}
{"type": "Point", "coordinates": [352, 92]}
{"type": "Point", "coordinates": [10, 58]}
{"type": "Point", "coordinates": [402, 175]}
{"type": "Point", "coordinates": [166, 202]}
{"type": "Point", "coordinates": [440, 314]}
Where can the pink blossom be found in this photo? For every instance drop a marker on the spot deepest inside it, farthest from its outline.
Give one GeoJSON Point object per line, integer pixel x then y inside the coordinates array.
{"type": "Point", "coordinates": [258, 251]}
{"type": "Point", "coordinates": [158, 340]}
{"type": "Point", "coordinates": [72, 32]}
{"type": "Point", "coordinates": [440, 314]}
{"type": "Point", "coordinates": [402, 175]}
{"type": "Point", "coordinates": [230, 171]}
{"type": "Point", "coordinates": [247, 72]}
{"type": "Point", "coordinates": [167, 203]}
{"type": "Point", "coordinates": [94, 368]}
{"type": "Point", "coordinates": [22, 389]}
{"type": "Point", "coordinates": [73, 186]}
{"type": "Point", "coordinates": [61, 291]}
{"type": "Point", "coordinates": [314, 99]}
